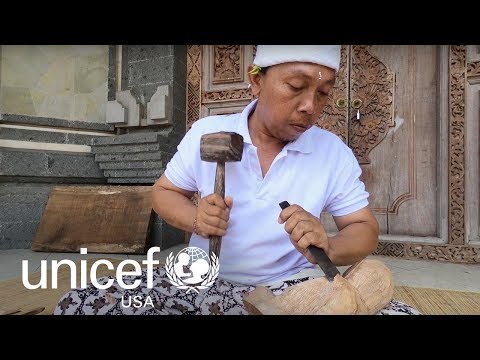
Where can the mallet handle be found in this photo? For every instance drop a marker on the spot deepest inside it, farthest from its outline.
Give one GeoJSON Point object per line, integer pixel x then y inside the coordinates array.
{"type": "Point", "coordinates": [219, 188]}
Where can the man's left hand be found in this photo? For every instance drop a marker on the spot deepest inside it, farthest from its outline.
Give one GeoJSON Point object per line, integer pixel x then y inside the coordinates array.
{"type": "Point", "coordinates": [304, 229]}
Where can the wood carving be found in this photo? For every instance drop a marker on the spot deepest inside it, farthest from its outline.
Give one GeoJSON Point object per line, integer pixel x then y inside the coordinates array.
{"type": "Point", "coordinates": [458, 254]}
{"type": "Point", "coordinates": [456, 144]}
{"type": "Point", "coordinates": [226, 95]}
{"type": "Point", "coordinates": [390, 249]}
{"type": "Point", "coordinates": [227, 64]}
{"type": "Point", "coordinates": [447, 253]}
{"type": "Point", "coordinates": [373, 83]}
{"type": "Point", "coordinates": [473, 68]}
{"type": "Point", "coordinates": [335, 114]}
{"type": "Point", "coordinates": [364, 288]}
{"type": "Point", "coordinates": [194, 79]}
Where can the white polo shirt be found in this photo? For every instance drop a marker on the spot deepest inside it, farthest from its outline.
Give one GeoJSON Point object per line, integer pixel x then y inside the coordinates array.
{"type": "Point", "coordinates": [317, 171]}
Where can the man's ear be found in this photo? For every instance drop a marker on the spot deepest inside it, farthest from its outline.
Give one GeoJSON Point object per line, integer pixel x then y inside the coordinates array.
{"type": "Point", "coordinates": [255, 81]}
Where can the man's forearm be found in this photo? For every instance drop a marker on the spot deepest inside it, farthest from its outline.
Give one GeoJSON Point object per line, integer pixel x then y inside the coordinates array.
{"type": "Point", "coordinates": [353, 243]}
{"type": "Point", "coordinates": [181, 215]}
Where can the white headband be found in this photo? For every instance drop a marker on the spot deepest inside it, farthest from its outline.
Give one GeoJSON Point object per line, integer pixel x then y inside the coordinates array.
{"type": "Point", "coordinates": [327, 55]}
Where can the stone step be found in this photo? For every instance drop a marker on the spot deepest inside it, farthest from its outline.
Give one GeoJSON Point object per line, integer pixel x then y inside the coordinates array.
{"type": "Point", "coordinates": [48, 164]}
{"type": "Point", "coordinates": [122, 149]}
{"type": "Point", "coordinates": [135, 138]}
{"type": "Point", "coordinates": [46, 136]}
{"type": "Point", "coordinates": [121, 165]}
{"type": "Point", "coordinates": [140, 156]}
{"type": "Point", "coordinates": [133, 173]}
{"type": "Point", "coordinates": [54, 122]}
{"type": "Point", "coordinates": [132, 180]}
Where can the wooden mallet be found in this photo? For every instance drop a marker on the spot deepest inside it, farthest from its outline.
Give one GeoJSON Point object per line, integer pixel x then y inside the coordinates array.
{"type": "Point", "coordinates": [220, 147]}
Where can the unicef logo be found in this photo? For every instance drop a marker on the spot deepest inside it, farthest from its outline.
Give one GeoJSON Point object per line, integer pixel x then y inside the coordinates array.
{"type": "Point", "coordinates": [192, 269]}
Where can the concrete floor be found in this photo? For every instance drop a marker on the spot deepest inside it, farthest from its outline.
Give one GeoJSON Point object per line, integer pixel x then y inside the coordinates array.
{"type": "Point", "coordinates": [414, 273]}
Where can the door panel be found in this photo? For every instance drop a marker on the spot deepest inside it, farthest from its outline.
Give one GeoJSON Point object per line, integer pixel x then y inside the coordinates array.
{"type": "Point", "coordinates": [225, 81]}
{"type": "Point", "coordinates": [395, 138]}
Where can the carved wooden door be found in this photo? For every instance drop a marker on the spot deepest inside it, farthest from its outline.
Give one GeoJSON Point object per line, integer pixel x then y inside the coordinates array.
{"type": "Point", "coordinates": [217, 81]}
{"type": "Point", "coordinates": [384, 106]}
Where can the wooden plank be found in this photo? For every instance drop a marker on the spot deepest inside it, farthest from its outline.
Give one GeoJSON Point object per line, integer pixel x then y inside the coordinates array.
{"type": "Point", "coordinates": [104, 219]}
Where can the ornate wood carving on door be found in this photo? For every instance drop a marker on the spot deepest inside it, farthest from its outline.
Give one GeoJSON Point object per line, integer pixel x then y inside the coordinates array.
{"type": "Point", "coordinates": [217, 79]}
{"type": "Point", "coordinates": [363, 93]}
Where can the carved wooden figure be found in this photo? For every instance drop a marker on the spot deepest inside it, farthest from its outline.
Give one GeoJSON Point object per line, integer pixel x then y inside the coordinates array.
{"type": "Point", "coordinates": [364, 288]}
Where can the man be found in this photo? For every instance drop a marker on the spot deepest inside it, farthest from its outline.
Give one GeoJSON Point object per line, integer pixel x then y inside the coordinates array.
{"type": "Point", "coordinates": [285, 157]}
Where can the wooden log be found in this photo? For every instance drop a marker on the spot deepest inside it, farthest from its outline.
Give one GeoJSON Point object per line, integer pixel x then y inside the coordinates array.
{"type": "Point", "coordinates": [366, 288]}
{"type": "Point", "coordinates": [374, 282]}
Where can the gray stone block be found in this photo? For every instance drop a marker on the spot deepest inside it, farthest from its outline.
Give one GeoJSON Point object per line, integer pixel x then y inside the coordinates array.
{"type": "Point", "coordinates": [49, 164]}
{"type": "Point", "coordinates": [45, 136]}
{"type": "Point", "coordinates": [179, 97]}
{"type": "Point", "coordinates": [9, 243]}
{"type": "Point", "coordinates": [53, 122]}
{"type": "Point", "coordinates": [17, 235]}
{"type": "Point", "coordinates": [125, 68]}
{"type": "Point", "coordinates": [128, 180]}
{"type": "Point", "coordinates": [146, 52]}
{"type": "Point", "coordinates": [165, 235]}
{"type": "Point", "coordinates": [136, 138]}
{"type": "Point", "coordinates": [120, 149]}
{"type": "Point", "coordinates": [11, 212]}
{"type": "Point", "coordinates": [32, 135]}
{"type": "Point", "coordinates": [157, 155]}
{"type": "Point", "coordinates": [21, 194]}
{"type": "Point", "coordinates": [125, 165]}
{"type": "Point", "coordinates": [180, 55]}
{"type": "Point", "coordinates": [112, 75]}
{"type": "Point", "coordinates": [51, 179]}
{"type": "Point", "coordinates": [22, 163]}
{"type": "Point", "coordinates": [82, 139]}
{"type": "Point", "coordinates": [179, 131]}
{"type": "Point", "coordinates": [21, 209]}
{"type": "Point", "coordinates": [70, 165]}
{"type": "Point", "coordinates": [133, 173]}
{"type": "Point", "coordinates": [158, 70]}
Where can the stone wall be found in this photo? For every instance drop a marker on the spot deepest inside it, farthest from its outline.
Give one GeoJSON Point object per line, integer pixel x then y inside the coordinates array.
{"type": "Point", "coordinates": [59, 81]}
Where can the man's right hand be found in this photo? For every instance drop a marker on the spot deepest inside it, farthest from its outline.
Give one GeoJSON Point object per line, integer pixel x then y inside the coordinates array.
{"type": "Point", "coordinates": [213, 213]}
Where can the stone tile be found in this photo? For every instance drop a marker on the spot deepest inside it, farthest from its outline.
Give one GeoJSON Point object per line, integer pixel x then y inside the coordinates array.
{"type": "Point", "coordinates": [17, 100]}
{"type": "Point", "coordinates": [431, 277]}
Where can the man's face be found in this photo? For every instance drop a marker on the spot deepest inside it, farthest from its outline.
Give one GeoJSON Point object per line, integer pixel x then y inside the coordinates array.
{"type": "Point", "coordinates": [292, 97]}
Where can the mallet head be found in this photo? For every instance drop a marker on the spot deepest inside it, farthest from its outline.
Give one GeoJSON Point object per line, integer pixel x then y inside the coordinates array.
{"type": "Point", "coordinates": [221, 147]}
